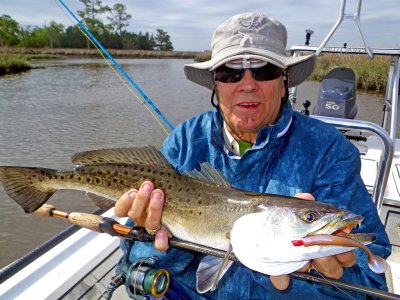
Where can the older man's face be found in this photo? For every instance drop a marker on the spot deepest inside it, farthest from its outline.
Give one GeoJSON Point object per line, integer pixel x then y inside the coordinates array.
{"type": "Point", "coordinates": [248, 105]}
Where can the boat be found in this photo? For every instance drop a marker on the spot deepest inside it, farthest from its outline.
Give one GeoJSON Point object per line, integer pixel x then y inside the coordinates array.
{"type": "Point", "coordinates": [46, 272]}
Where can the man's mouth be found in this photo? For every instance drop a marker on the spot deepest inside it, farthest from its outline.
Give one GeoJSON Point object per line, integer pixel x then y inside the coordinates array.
{"type": "Point", "coordinates": [248, 105]}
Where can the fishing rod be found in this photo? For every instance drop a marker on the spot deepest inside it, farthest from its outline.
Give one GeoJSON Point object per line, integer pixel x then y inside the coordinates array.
{"type": "Point", "coordinates": [112, 227]}
{"type": "Point", "coordinates": [117, 65]}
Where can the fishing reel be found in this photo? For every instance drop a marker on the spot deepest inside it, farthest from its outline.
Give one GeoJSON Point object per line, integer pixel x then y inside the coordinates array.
{"type": "Point", "coordinates": [142, 281]}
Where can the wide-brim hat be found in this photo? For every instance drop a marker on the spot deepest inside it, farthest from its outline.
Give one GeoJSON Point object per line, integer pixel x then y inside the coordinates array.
{"type": "Point", "coordinates": [256, 36]}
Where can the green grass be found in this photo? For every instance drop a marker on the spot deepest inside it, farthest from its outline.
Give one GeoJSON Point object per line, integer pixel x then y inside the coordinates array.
{"type": "Point", "coordinates": [11, 64]}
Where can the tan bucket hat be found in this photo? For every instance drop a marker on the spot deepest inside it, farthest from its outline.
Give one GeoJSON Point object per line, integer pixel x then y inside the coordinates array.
{"type": "Point", "coordinates": [256, 36]}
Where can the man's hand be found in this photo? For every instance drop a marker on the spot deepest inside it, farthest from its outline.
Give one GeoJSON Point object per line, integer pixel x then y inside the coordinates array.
{"type": "Point", "coordinates": [144, 207]}
{"type": "Point", "coordinates": [329, 266]}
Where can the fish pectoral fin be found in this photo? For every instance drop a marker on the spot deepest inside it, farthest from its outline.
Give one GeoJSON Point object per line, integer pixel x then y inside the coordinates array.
{"type": "Point", "coordinates": [100, 201]}
{"type": "Point", "coordinates": [210, 271]}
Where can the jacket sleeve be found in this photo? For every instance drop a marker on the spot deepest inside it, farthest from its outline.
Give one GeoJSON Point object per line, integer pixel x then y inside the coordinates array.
{"type": "Point", "coordinates": [339, 183]}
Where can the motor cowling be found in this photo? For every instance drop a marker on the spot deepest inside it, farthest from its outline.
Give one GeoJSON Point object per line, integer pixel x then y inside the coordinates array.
{"type": "Point", "coordinates": [337, 94]}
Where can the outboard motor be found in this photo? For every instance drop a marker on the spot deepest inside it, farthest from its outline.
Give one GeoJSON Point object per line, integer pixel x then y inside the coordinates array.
{"type": "Point", "coordinates": [337, 95]}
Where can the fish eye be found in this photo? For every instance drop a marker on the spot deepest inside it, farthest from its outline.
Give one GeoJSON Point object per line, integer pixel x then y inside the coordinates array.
{"type": "Point", "coordinates": [309, 216]}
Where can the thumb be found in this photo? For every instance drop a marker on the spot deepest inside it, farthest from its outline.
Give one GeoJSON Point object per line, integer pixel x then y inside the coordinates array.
{"type": "Point", "coordinates": [280, 282]}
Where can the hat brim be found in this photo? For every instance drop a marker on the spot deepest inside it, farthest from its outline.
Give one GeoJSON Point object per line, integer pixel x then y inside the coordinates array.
{"type": "Point", "coordinates": [298, 68]}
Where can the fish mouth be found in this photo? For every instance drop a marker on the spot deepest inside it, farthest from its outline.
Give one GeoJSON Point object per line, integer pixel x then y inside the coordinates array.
{"type": "Point", "coordinates": [342, 225]}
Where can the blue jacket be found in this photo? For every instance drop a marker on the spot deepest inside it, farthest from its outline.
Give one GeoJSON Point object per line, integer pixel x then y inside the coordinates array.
{"type": "Point", "coordinates": [297, 154]}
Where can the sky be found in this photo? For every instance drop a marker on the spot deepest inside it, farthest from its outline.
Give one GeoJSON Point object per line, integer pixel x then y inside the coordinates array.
{"type": "Point", "coordinates": [191, 23]}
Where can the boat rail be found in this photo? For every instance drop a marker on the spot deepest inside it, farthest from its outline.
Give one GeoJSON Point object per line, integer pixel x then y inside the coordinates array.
{"type": "Point", "coordinates": [386, 156]}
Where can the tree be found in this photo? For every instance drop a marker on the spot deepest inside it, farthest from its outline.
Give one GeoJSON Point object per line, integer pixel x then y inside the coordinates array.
{"type": "Point", "coordinates": [119, 18]}
{"type": "Point", "coordinates": [10, 31]}
{"type": "Point", "coordinates": [162, 41]}
{"type": "Point", "coordinates": [94, 8]}
{"type": "Point", "coordinates": [54, 33]}
{"type": "Point", "coordinates": [36, 37]}
{"type": "Point", "coordinates": [73, 38]}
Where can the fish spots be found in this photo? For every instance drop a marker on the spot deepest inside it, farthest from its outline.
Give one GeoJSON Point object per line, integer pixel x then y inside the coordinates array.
{"type": "Point", "coordinates": [71, 176]}
{"type": "Point", "coordinates": [97, 180]}
{"type": "Point", "coordinates": [88, 180]}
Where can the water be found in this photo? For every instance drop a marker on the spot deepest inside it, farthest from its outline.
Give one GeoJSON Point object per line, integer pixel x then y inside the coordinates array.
{"type": "Point", "coordinates": [73, 105]}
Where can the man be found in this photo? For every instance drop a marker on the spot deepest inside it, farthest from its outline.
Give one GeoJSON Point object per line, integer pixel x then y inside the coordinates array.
{"type": "Point", "coordinates": [259, 144]}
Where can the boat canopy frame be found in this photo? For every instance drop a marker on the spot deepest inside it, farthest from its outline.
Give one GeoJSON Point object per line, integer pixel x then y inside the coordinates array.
{"type": "Point", "coordinates": [387, 131]}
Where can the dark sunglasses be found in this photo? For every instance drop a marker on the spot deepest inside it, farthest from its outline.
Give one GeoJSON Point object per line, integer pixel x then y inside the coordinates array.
{"type": "Point", "coordinates": [229, 75]}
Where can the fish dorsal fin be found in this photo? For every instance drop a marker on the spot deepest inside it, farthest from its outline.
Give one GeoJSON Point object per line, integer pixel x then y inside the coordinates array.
{"type": "Point", "coordinates": [100, 201]}
{"type": "Point", "coordinates": [210, 174]}
{"type": "Point", "coordinates": [210, 271]}
{"type": "Point", "coordinates": [147, 155]}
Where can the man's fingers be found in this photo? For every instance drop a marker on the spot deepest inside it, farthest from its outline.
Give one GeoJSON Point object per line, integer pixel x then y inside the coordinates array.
{"type": "Point", "coordinates": [347, 259]}
{"type": "Point", "coordinates": [305, 196]}
{"type": "Point", "coordinates": [154, 211]}
{"type": "Point", "coordinates": [306, 268]}
{"type": "Point", "coordinates": [280, 282]}
{"type": "Point", "coordinates": [161, 241]}
{"type": "Point", "coordinates": [124, 203]}
{"type": "Point", "coordinates": [329, 266]}
{"type": "Point", "coordinates": [137, 211]}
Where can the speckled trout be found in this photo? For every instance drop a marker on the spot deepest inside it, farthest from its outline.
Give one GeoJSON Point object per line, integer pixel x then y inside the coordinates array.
{"type": "Point", "coordinates": [200, 207]}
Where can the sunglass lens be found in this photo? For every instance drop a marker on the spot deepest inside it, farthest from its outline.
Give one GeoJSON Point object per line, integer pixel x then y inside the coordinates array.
{"type": "Point", "coordinates": [266, 73]}
{"type": "Point", "coordinates": [228, 75]}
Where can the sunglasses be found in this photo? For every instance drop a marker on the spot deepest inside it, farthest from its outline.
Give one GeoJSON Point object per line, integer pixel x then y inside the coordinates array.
{"type": "Point", "coordinates": [230, 75]}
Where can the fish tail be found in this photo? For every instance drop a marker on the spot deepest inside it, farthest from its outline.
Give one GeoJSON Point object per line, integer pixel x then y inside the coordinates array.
{"type": "Point", "coordinates": [23, 186]}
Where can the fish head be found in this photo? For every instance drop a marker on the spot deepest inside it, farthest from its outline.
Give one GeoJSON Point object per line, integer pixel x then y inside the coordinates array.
{"type": "Point", "coordinates": [321, 220]}
{"type": "Point", "coordinates": [263, 240]}
{"type": "Point", "coordinates": [295, 219]}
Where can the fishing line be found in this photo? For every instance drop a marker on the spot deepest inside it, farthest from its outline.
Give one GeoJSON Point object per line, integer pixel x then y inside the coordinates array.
{"type": "Point", "coordinates": [120, 72]}
{"type": "Point", "coordinates": [331, 283]}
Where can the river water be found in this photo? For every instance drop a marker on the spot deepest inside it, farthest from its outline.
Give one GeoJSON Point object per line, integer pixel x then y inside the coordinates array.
{"type": "Point", "coordinates": [66, 106]}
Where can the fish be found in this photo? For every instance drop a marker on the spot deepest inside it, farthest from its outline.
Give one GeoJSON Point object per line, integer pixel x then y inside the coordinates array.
{"type": "Point", "coordinates": [200, 207]}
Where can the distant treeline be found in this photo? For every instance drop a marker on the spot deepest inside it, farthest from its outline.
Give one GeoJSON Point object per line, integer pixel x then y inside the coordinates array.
{"type": "Point", "coordinates": [112, 35]}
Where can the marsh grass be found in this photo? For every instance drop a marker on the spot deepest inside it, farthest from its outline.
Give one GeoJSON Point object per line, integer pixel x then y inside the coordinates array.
{"type": "Point", "coordinates": [371, 75]}
{"type": "Point", "coordinates": [10, 64]}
